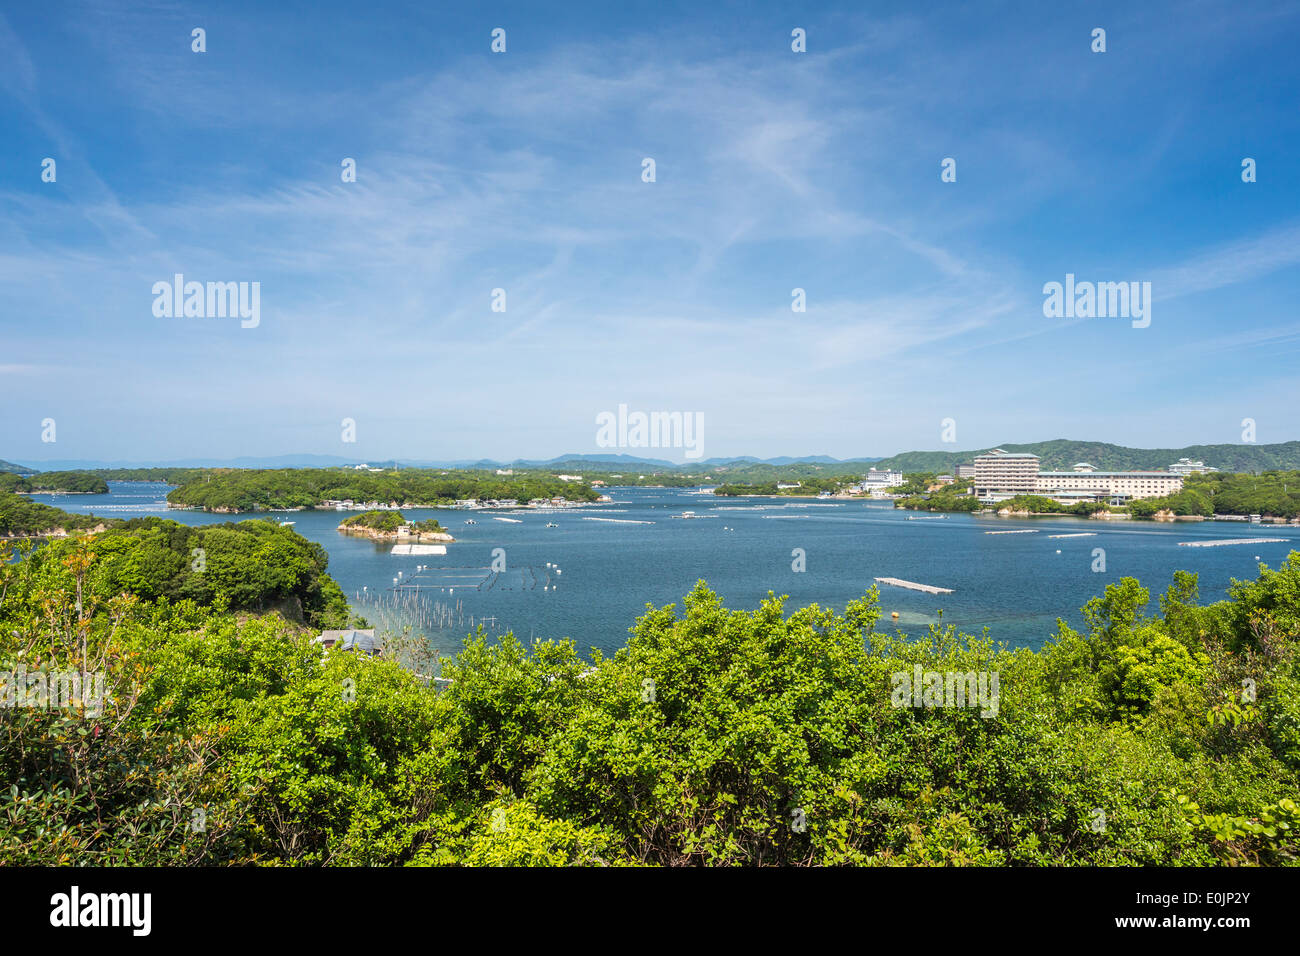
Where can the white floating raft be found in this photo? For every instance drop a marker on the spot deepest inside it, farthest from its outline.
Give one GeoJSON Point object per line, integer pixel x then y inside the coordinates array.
{"type": "Point", "coordinates": [1227, 541]}
{"type": "Point", "coordinates": [913, 586]}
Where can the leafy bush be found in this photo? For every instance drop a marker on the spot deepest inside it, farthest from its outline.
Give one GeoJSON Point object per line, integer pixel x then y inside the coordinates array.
{"type": "Point", "coordinates": [714, 737]}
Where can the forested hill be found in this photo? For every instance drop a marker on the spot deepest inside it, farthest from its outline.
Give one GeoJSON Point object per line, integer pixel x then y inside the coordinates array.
{"type": "Point", "coordinates": [257, 489]}
{"type": "Point", "coordinates": [15, 469]}
{"type": "Point", "coordinates": [1061, 453]}
{"type": "Point", "coordinates": [22, 517]}
{"type": "Point", "coordinates": [60, 482]}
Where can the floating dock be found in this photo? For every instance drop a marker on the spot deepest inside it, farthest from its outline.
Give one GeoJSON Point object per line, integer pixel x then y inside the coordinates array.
{"type": "Point", "coordinates": [913, 586]}
{"type": "Point", "coordinates": [1076, 534]}
{"type": "Point", "coordinates": [619, 520]}
{"type": "Point", "coordinates": [419, 549]}
{"type": "Point", "coordinates": [1020, 531]}
{"type": "Point", "coordinates": [1227, 541]}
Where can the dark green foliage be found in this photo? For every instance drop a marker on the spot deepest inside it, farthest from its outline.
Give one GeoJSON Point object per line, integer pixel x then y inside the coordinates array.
{"type": "Point", "coordinates": [255, 489]}
{"type": "Point", "coordinates": [19, 517]}
{"type": "Point", "coordinates": [714, 737]}
{"type": "Point", "coordinates": [918, 497]}
{"type": "Point", "coordinates": [171, 476]}
{"type": "Point", "coordinates": [62, 482]}
{"type": "Point", "coordinates": [388, 521]}
{"type": "Point", "coordinates": [1040, 504]}
{"type": "Point", "coordinates": [1061, 454]}
{"type": "Point", "coordinates": [249, 566]}
{"type": "Point", "coordinates": [807, 487]}
{"type": "Point", "coordinates": [1273, 493]}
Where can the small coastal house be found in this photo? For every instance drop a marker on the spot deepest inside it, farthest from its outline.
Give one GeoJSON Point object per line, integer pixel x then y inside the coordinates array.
{"type": "Point", "coordinates": [350, 640]}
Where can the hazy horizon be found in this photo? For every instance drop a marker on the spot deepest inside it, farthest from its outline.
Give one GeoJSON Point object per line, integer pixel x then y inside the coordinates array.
{"type": "Point", "coordinates": [331, 460]}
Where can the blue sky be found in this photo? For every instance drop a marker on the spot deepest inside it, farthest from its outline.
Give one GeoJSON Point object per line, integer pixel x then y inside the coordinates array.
{"type": "Point", "coordinates": [522, 171]}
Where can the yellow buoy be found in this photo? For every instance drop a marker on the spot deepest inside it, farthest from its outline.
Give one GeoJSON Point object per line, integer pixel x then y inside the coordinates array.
{"type": "Point", "coordinates": [893, 614]}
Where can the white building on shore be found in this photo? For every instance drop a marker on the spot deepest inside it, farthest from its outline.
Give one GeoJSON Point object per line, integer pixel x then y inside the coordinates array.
{"type": "Point", "coordinates": [875, 480]}
{"type": "Point", "coordinates": [1000, 475]}
{"type": "Point", "coordinates": [1185, 466]}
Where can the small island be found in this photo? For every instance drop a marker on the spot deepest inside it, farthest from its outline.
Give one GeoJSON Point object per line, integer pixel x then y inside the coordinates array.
{"type": "Point", "coordinates": [392, 526]}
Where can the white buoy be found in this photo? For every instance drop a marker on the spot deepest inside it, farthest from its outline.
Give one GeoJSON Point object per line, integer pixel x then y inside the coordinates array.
{"type": "Point", "coordinates": [1058, 550]}
{"type": "Point", "coordinates": [558, 571]}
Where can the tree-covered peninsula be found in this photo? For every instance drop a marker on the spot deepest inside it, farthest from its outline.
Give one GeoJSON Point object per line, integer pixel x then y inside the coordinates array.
{"type": "Point", "coordinates": [1273, 494]}
{"type": "Point", "coordinates": [237, 490]}
{"type": "Point", "coordinates": [797, 488]}
{"type": "Point", "coordinates": [55, 482]}
{"type": "Point", "coordinates": [21, 518]}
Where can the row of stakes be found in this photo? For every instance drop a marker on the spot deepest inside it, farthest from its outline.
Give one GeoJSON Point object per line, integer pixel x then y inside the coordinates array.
{"type": "Point", "coordinates": [424, 567]}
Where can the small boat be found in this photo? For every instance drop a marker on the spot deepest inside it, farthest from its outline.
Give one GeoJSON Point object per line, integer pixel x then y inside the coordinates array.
{"type": "Point", "coordinates": [551, 524]}
{"type": "Point", "coordinates": [286, 524]}
{"type": "Point", "coordinates": [471, 521]}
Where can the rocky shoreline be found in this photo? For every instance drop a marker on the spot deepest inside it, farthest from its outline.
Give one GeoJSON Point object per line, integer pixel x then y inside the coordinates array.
{"type": "Point", "coordinates": [415, 537]}
{"type": "Point", "coordinates": [54, 533]}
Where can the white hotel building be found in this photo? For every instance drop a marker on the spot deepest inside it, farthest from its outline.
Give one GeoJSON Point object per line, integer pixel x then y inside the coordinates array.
{"type": "Point", "coordinates": [877, 483]}
{"type": "Point", "coordinates": [1003, 474]}
{"type": "Point", "coordinates": [1000, 475]}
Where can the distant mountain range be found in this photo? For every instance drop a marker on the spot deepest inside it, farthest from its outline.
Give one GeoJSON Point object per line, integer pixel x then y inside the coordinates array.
{"type": "Point", "coordinates": [590, 462]}
{"type": "Point", "coordinates": [1056, 455]}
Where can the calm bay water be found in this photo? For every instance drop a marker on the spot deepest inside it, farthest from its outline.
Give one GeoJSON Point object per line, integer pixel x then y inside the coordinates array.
{"type": "Point", "coordinates": [1015, 584]}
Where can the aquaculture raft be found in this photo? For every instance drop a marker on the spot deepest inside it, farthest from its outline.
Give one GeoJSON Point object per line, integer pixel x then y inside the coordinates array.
{"type": "Point", "coordinates": [1226, 541]}
{"type": "Point", "coordinates": [913, 586]}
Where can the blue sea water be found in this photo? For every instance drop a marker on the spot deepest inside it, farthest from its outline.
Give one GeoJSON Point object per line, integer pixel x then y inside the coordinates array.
{"type": "Point", "coordinates": [1016, 585]}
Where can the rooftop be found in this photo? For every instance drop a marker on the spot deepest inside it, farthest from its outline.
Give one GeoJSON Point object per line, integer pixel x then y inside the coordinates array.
{"type": "Point", "coordinates": [350, 640]}
{"type": "Point", "coordinates": [1109, 474]}
{"type": "Point", "coordinates": [1002, 453]}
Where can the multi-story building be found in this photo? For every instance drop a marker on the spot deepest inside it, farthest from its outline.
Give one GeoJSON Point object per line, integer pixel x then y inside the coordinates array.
{"type": "Point", "coordinates": [965, 471]}
{"type": "Point", "coordinates": [1000, 475]}
{"type": "Point", "coordinates": [1003, 474]}
{"type": "Point", "coordinates": [1185, 466]}
{"type": "Point", "coordinates": [875, 480]}
{"type": "Point", "coordinates": [1093, 485]}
